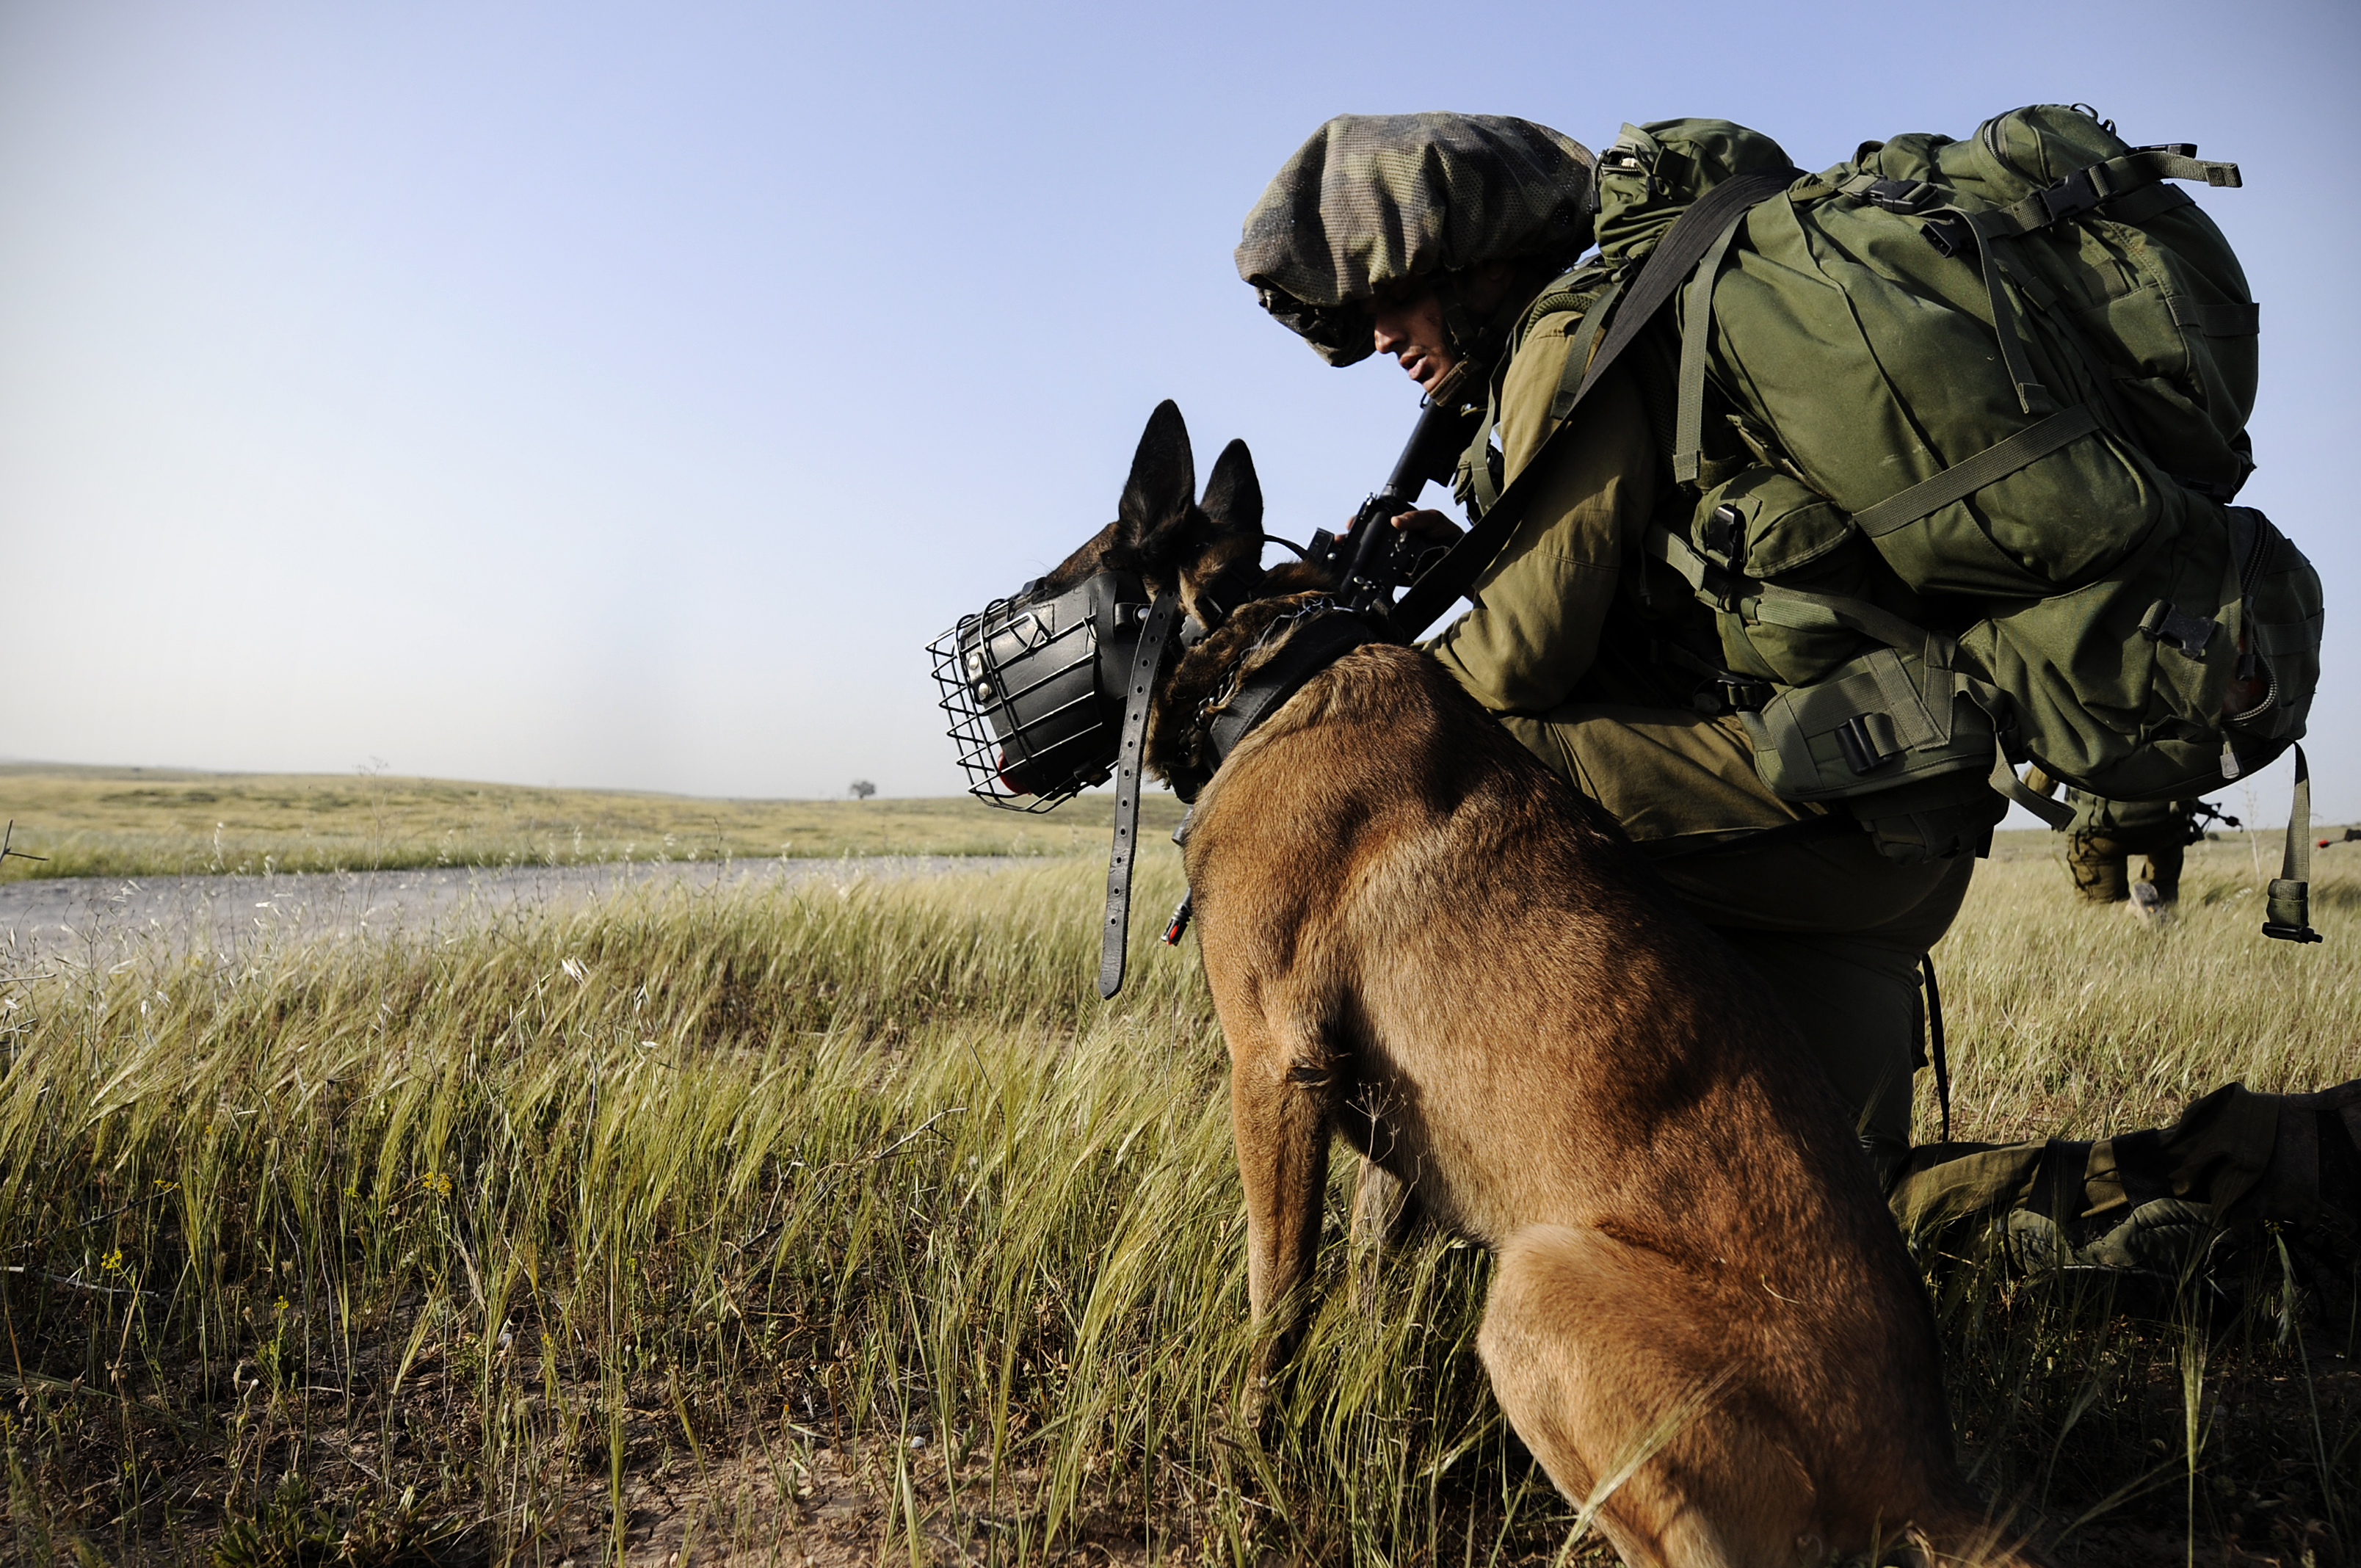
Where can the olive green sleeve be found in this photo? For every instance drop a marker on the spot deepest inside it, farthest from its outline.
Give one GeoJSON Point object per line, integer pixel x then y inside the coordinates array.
{"type": "Point", "coordinates": [1538, 608]}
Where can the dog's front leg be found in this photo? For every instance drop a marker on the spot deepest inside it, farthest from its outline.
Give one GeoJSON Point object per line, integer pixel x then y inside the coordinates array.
{"type": "Point", "coordinates": [1279, 1094]}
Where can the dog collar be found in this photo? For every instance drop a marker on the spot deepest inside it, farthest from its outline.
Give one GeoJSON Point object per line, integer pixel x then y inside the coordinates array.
{"type": "Point", "coordinates": [1318, 633]}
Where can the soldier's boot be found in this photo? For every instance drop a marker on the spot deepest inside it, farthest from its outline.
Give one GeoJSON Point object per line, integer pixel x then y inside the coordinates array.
{"type": "Point", "coordinates": [2165, 1236]}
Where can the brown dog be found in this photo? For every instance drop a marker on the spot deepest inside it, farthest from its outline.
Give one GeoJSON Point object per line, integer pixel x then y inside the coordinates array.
{"type": "Point", "coordinates": [1419, 938]}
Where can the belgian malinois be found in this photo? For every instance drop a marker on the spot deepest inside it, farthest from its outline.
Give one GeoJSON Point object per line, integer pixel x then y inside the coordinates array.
{"type": "Point", "coordinates": [1419, 938]}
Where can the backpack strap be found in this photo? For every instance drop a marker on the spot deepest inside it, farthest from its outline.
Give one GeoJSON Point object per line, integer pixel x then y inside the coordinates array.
{"type": "Point", "coordinates": [2288, 915]}
{"type": "Point", "coordinates": [1483, 486]}
{"type": "Point", "coordinates": [1973, 474]}
{"type": "Point", "coordinates": [1689, 238]}
{"type": "Point", "coordinates": [1697, 319]}
{"type": "Point", "coordinates": [2099, 184]}
{"type": "Point", "coordinates": [1585, 342]}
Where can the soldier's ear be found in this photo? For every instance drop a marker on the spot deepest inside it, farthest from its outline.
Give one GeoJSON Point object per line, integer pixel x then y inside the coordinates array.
{"type": "Point", "coordinates": [1234, 496]}
{"type": "Point", "coordinates": [1154, 512]}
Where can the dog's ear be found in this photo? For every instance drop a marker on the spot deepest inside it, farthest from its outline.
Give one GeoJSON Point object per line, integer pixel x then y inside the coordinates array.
{"type": "Point", "coordinates": [1234, 496]}
{"type": "Point", "coordinates": [1157, 498]}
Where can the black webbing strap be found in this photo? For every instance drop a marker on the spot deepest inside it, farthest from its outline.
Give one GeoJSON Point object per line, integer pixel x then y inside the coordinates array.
{"type": "Point", "coordinates": [1935, 1042]}
{"type": "Point", "coordinates": [1315, 644]}
{"type": "Point", "coordinates": [1152, 638]}
{"type": "Point", "coordinates": [1973, 474]}
{"type": "Point", "coordinates": [2288, 915]}
{"type": "Point", "coordinates": [1681, 249]}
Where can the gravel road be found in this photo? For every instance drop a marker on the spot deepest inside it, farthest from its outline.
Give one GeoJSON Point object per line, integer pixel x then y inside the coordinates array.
{"type": "Point", "coordinates": [103, 919]}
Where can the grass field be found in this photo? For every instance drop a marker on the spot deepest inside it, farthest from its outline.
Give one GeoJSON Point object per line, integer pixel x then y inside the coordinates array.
{"type": "Point", "coordinates": [161, 822]}
{"type": "Point", "coordinates": [849, 1227]}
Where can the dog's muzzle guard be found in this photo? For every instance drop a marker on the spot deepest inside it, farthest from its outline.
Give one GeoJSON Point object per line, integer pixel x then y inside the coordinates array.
{"type": "Point", "coordinates": [1050, 697]}
{"type": "Point", "coordinates": [1035, 689]}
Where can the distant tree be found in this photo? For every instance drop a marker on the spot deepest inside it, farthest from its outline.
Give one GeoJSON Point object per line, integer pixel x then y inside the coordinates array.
{"type": "Point", "coordinates": [861, 789]}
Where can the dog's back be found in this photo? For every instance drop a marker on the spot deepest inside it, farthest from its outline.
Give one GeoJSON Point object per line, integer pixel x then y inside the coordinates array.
{"type": "Point", "coordinates": [1419, 936]}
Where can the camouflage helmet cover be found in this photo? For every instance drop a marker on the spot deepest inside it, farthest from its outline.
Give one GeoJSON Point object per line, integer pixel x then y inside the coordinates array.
{"type": "Point", "coordinates": [1371, 199]}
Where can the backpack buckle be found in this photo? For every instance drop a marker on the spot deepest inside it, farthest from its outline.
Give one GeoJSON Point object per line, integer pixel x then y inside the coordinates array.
{"type": "Point", "coordinates": [1864, 749]}
{"type": "Point", "coordinates": [1723, 532]}
{"type": "Point", "coordinates": [1952, 236]}
{"type": "Point", "coordinates": [1902, 195]}
{"type": "Point", "coordinates": [2074, 196]}
{"type": "Point", "coordinates": [2190, 633]}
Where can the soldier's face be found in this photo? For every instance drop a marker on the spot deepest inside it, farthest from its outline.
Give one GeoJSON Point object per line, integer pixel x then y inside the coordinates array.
{"type": "Point", "coordinates": [1409, 318]}
{"type": "Point", "coordinates": [1410, 327]}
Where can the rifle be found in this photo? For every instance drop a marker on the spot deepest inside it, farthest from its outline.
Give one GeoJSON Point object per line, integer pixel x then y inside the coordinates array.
{"type": "Point", "coordinates": [2351, 835]}
{"type": "Point", "coordinates": [2203, 815]}
{"type": "Point", "coordinates": [1373, 558]}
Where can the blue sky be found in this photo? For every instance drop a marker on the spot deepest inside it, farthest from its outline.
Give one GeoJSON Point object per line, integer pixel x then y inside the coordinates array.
{"type": "Point", "coordinates": [621, 395]}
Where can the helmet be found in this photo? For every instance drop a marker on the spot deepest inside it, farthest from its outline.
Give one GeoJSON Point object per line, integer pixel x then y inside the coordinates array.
{"type": "Point", "coordinates": [1372, 198]}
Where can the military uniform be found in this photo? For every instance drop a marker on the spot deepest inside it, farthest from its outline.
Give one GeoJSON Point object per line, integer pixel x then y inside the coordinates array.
{"type": "Point", "coordinates": [1584, 677]}
{"type": "Point", "coordinates": [2105, 834]}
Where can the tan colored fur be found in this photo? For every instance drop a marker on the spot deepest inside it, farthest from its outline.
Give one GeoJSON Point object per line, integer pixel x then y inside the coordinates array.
{"type": "Point", "coordinates": [1422, 942]}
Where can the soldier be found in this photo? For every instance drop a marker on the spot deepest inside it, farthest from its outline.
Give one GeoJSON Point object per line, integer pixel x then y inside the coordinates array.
{"type": "Point", "coordinates": [2105, 834]}
{"type": "Point", "coordinates": [1440, 239]}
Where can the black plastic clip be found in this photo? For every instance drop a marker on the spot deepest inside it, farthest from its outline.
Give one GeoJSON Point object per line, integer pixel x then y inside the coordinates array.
{"type": "Point", "coordinates": [1726, 693]}
{"type": "Point", "coordinates": [2190, 633]}
{"type": "Point", "coordinates": [2073, 196]}
{"type": "Point", "coordinates": [1180, 921]}
{"type": "Point", "coordinates": [1862, 751]}
{"type": "Point", "coordinates": [1722, 532]}
{"type": "Point", "coordinates": [1904, 196]}
{"type": "Point", "coordinates": [1952, 236]}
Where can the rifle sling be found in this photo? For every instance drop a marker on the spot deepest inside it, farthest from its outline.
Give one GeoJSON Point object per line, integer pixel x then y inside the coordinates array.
{"type": "Point", "coordinates": [1681, 249]}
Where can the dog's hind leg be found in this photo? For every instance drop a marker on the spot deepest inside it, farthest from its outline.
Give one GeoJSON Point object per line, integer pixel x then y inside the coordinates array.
{"type": "Point", "coordinates": [1280, 1091]}
{"type": "Point", "coordinates": [1620, 1379]}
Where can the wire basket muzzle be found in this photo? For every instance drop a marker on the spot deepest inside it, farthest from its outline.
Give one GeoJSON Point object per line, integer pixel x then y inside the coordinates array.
{"type": "Point", "coordinates": [1034, 689]}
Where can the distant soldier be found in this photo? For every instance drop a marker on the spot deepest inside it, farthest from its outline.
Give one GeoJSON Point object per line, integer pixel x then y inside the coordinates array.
{"type": "Point", "coordinates": [2105, 834]}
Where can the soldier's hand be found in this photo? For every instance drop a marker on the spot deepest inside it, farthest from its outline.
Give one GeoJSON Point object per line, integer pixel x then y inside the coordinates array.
{"type": "Point", "coordinates": [1428, 526]}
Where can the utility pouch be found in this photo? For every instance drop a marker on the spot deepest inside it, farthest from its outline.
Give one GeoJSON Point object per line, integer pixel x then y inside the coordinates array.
{"type": "Point", "coordinates": [1884, 718]}
{"type": "Point", "coordinates": [1899, 741]}
{"type": "Point", "coordinates": [1763, 523]}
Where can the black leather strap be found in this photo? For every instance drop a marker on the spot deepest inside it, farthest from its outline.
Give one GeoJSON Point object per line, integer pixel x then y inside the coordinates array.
{"type": "Point", "coordinates": [1691, 236]}
{"type": "Point", "coordinates": [1152, 639]}
{"type": "Point", "coordinates": [1316, 644]}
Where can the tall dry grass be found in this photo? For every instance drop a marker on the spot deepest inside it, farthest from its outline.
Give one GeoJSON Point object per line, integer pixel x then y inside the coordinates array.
{"type": "Point", "coordinates": [847, 1220]}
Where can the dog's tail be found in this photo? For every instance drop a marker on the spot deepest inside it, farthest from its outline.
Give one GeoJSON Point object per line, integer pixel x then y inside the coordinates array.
{"type": "Point", "coordinates": [1958, 1534]}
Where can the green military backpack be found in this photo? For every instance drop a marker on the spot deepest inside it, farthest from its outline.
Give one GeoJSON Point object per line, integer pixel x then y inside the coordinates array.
{"type": "Point", "coordinates": [1992, 397]}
